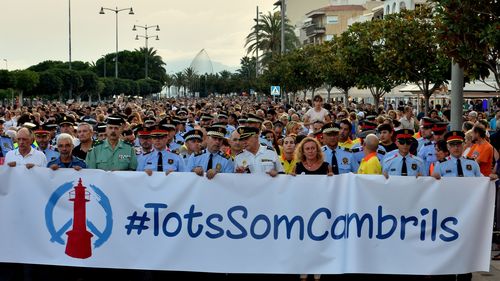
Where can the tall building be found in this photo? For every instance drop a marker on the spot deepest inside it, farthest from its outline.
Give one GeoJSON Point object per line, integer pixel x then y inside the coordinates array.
{"type": "Point", "coordinates": [324, 23]}
{"type": "Point", "coordinates": [396, 6]}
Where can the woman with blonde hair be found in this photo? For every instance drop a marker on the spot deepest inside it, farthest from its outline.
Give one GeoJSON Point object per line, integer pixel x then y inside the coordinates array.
{"type": "Point", "coordinates": [311, 159]}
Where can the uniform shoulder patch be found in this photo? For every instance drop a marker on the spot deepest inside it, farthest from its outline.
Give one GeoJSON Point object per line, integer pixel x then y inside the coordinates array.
{"type": "Point", "coordinates": [346, 149]}
{"type": "Point", "coordinates": [96, 143]}
{"type": "Point", "coordinates": [200, 153]}
{"type": "Point", "coordinates": [223, 155]}
{"type": "Point", "coordinates": [128, 143]}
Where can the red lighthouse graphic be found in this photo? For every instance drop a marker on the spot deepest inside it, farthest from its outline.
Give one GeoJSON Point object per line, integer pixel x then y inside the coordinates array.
{"type": "Point", "coordinates": [78, 245]}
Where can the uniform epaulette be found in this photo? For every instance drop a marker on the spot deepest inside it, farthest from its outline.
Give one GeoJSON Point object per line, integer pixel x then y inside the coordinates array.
{"type": "Point", "coordinates": [469, 158]}
{"type": "Point", "coordinates": [240, 152]}
{"type": "Point", "coordinates": [175, 151]}
{"type": "Point", "coordinates": [148, 152]}
{"type": "Point", "coordinates": [270, 148]}
{"type": "Point", "coordinates": [224, 155]}
{"type": "Point", "coordinates": [443, 160]}
{"type": "Point", "coordinates": [200, 153]}
{"type": "Point", "coordinates": [128, 143]}
{"type": "Point", "coordinates": [355, 150]}
{"type": "Point", "coordinates": [179, 142]}
{"type": "Point", "coordinates": [426, 144]}
{"type": "Point", "coordinates": [324, 148]}
{"type": "Point", "coordinates": [346, 149]}
{"type": "Point", "coordinates": [390, 158]}
{"type": "Point", "coordinates": [380, 151]}
{"type": "Point", "coordinates": [96, 143]}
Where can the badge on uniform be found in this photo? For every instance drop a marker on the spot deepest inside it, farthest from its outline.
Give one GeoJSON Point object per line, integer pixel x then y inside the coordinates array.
{"type": "Point", "coordinates": [468, 167]}
{"type": "Point", "coordinates": [121, 156]}
{"type": "Point", "coordinates": [170, 161]}
{"type": "Point", "coordinates": [6, 145]}
{"type": "Point", "coordinates": [345, 161]}
{"type": "Point", "coordinates": [414, 166]}
{"type": "Point", "coordinates": [244, 163]}
{"type": "Point", "coordinates": [218, 167]}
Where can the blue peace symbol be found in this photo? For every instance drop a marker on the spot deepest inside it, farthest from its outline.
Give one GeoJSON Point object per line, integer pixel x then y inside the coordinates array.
{"type": "Point", "coordinates": [56, 234]}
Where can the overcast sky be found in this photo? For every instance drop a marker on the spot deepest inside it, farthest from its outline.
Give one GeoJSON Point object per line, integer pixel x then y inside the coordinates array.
{"type": "Point", "coordinates": [32, 31]}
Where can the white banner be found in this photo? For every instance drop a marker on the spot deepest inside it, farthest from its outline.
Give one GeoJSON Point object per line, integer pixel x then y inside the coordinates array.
{"type": "Point", "coordinates": [246, 223]}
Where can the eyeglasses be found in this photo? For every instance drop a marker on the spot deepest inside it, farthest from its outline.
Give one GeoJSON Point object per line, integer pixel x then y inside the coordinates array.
{"type": "Point", "coordinates": [405, 141]}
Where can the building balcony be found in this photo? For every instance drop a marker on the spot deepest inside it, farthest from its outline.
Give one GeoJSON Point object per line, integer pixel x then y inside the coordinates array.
{"type": "Point", "coordinates": [314, 30]}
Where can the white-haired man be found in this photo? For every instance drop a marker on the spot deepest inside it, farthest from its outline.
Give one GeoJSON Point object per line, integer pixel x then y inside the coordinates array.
{"type": "Point", "coordinates": [66, 158]}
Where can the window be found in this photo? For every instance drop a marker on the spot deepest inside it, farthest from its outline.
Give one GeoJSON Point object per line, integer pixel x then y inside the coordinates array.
{"type": "Point", "coordinates": [328, 37]}
{"type": "Point", "coordinates": [402, 6]}
{"type": "Point", "coordinates": [332, 19]}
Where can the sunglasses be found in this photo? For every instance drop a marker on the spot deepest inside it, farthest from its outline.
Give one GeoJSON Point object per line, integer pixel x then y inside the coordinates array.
{"type": "Point", "coordinates": [405, 141]}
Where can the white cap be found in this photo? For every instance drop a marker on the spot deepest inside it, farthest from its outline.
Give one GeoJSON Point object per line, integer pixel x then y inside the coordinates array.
{"type": "Point", "coordinates": [361, 114]}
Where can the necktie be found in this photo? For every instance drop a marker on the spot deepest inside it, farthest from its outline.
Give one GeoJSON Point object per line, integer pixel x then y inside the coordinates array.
{"type": "Point", "coordinates": [404, 169]}
{"type": "Point", "coordinates": [335, 165]}
{"type": "Point", "coordinates": [159, 166]}
{"type": "Point", "coordinates": [460, 172]}
{"type": "Point", "coordinates": [209, 165]}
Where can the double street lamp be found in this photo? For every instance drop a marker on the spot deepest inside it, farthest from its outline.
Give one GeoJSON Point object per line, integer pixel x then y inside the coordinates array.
{"type": "Point", "coordinates": [146, 36]}
{"type": "Point", "coordinates": [131, 12]}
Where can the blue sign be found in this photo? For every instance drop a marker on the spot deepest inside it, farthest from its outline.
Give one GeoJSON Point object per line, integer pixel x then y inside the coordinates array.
{"type": "Point", "coordinates": [275, 90]}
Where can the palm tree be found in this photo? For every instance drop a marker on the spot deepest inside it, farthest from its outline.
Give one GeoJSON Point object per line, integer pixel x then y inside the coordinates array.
{"type": "Point", "coordinates": [179, 81]}
{"type": "Point", "coordinates": [156, 64]}
{"type": "Point", "coordinates": [190, 77]}
{"type": "Point", "coordinates": [269, 37]}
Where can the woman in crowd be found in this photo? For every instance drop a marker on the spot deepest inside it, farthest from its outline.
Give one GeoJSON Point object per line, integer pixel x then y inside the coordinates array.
{"type": "Point", "coordinates": [287, 156]}
{"type": "Point", "coordinates": [311, 159]}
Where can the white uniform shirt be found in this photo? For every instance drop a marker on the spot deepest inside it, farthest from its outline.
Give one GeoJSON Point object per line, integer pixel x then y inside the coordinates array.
{"type": "Point", "coordinates": [264, 161]}
{"type": "Point", "coordinates": [33, 157]}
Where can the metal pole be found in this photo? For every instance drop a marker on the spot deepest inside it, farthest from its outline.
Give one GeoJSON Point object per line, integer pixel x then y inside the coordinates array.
{"type": "Point", "coordinates": [116, 52]}
{"type": "Point", "coordinates": [457, 96]}
{"type": "Point", "coordinates": [146, 51]}
{"type": "Point", "coordinates": [69, 41]}
{"type": "Point", "coordinates": [257, 44]}
{"type": "Point", "coordinates": [283, 16]}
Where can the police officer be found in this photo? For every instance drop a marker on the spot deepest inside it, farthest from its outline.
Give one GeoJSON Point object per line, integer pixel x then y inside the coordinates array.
{"type": "Point", "coordinates": [456, 165]}
{"type": "Point", "coordinates": [211, 160]}
{"type": "Point", "coordinates": [192, 144]}
{"type": "Point", "coordinates": [256, 158]}
{"type": "Point", "coordinates": [112, 154]}
{"type": "Point", "coordinates": [101, 131]}
{"type": "Point", "coordinates": [428, 153]}
{"type": "Point", "coordinates": [400, 162]}
{"type": "Point", "coordinates": [42, 138]}
{"type": "Point", "coordinates": [340, 158]}
{"type": "Point", "coordinates": [425, 131]}
{"type": "Point", "coordinates": [146, 145]}
{"type": "Point", "coordinates": [161, 160]}
{"type": "Point", "coordinates": [223, 117]}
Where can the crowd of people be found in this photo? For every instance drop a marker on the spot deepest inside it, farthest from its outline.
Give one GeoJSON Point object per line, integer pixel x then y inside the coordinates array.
{"type": "Point", "coordinates": [212, 135]}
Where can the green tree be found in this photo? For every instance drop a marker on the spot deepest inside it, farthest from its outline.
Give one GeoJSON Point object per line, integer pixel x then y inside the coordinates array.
{"type": "Point", "coordinates": [179, 81]}
{"type": "Point", "coordinates": [412, 52]}
{"type": "Point", "coordinates": [469, 32]}
{"type": "Point", "coordinates": [49, 84]}
{"type": "Point", "coordinates": [156, 65]}
{"type": "Point", "coordinates": [25, 81]}
{"type": "Point", "coordinates": [7, 79]}
{"type": "Point", "coordinates": [90, 85]}
{"type": "Point", "coordinates": [269, 37]}
{"type": "Point", "coordinates": [363, 44]}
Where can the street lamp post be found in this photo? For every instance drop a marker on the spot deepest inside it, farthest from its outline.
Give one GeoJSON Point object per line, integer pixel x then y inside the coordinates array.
{"type": "Point", "coordinates": [146, 37]}
{"type": "Point", "coordinates": [131, 12]}
{"type": "Point", "coordinates": [282, 4]}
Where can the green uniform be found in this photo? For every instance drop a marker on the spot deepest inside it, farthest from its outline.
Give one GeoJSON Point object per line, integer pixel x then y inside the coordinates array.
{"type": "Point", "coordinates": [103, 157]}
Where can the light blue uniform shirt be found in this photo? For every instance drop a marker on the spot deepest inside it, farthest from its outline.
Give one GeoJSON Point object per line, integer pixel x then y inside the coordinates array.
{"type": "Point", "coordinates": [170, 161]}
{"type": "Point", "coordinates": [358, 154]}
{"type": "Point", "coordinates": [345, 159]}
{"type": "Point", "coordinates": [428, 154]}
{"type": "Point", "coordinates": [220, 161]}
{"type": "Point", "coordinates": [393, 164]}
{"type": "Point", "coordinates": [448, 168]}
{"type": "Point", "coordinates": [50, 153]}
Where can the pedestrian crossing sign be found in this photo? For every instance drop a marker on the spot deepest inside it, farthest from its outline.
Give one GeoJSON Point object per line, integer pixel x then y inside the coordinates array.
{"type": "Point", "coordinates": [275, 90]}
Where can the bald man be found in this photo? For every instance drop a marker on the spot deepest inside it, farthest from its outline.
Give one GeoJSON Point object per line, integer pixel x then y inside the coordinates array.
{"type": "Point", "coordinates": [370, 165]}
{"type": "Point", "coordinates": [25, 154]}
